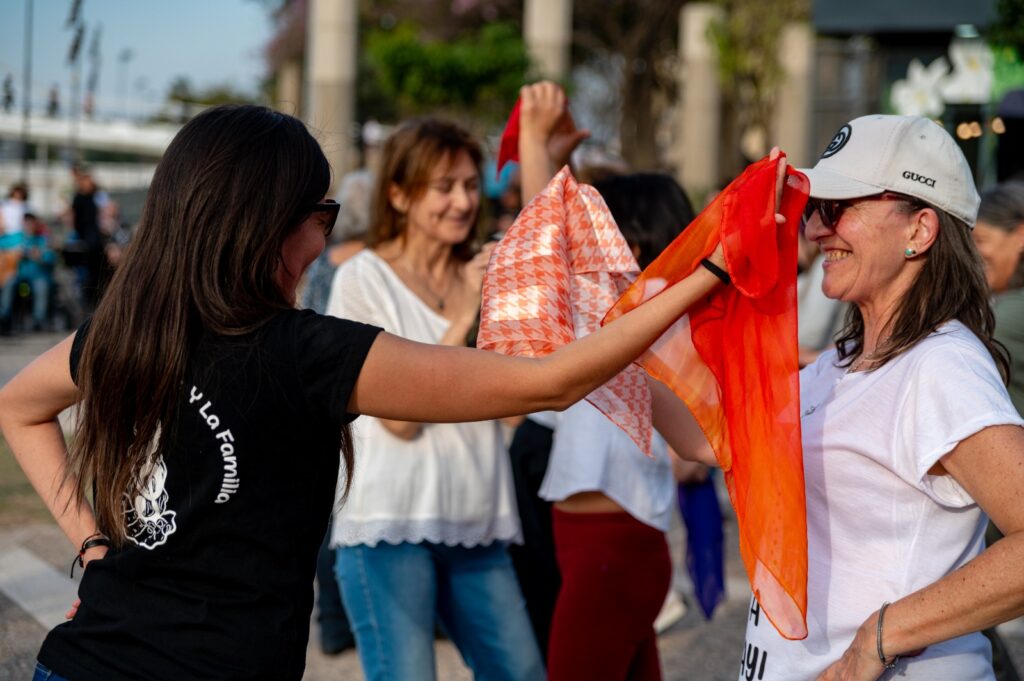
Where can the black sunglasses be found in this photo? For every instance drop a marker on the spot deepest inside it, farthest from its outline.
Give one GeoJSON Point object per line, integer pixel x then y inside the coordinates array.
{"type": "Point", "coordinates": [330, 207]}
{"type": "Point", "coordinates": [831, 210]}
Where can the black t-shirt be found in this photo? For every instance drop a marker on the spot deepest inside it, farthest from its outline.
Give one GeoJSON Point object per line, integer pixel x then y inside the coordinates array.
{"type": "Point", "coordinates": [217, 580]}
{"type": "Point", "coordinates": [86, 218]}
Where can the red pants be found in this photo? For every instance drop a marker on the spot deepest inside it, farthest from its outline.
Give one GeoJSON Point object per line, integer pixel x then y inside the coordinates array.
{"type": "Point", "coordinates": [615, 574]}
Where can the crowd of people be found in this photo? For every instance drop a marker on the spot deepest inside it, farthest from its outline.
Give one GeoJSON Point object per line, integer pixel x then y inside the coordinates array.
{"type": "Point", "coordinates": [53, 272]}
{"type": "Point", "coordinates": [219, 462]}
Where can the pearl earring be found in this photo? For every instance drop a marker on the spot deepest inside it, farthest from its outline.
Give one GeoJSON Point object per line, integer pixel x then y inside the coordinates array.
{"type": "Point", "coordinates": [909, 252]}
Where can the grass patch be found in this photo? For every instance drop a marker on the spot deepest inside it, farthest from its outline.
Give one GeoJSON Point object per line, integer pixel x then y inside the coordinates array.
{"type": "Point", "coordinates": [19, 502]}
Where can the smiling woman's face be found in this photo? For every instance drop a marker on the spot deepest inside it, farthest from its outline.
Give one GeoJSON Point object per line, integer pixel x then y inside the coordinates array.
{"type": "Point", "coordinates": [864, 261]}
{"type": "Point", "coordinates": [446, 210]}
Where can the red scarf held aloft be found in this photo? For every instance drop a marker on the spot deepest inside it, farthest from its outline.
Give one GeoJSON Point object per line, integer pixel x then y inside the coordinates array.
{"type": "Point", "coordinates": [508, 148]}
{"type": "Point", "coordinates": [733, 360]}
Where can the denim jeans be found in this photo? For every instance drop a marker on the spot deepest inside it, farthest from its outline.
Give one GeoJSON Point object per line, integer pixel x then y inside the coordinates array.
{"type": "Point", "coordinates": [40, 298]}
{"type": "Point", "coordinates": [394, 594]}
{"type": "Point", "coordinates": [7, 298]}
{"type": "Point", "coordinates": [42, 673]}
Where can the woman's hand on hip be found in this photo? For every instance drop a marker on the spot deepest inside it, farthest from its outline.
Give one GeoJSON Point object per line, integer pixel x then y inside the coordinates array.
{"type": "Point", "coordinates": [859, 662]}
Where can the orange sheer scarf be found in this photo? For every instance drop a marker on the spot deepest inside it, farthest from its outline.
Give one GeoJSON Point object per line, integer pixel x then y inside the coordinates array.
{"type": "Point", "coordinates": [733, 360]}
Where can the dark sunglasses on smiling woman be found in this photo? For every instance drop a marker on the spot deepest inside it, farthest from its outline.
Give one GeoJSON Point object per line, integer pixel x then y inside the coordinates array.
{"type": "Point", "coordinates": [831, 210]}
{"type": "Point", "coordinates": [331, 208]}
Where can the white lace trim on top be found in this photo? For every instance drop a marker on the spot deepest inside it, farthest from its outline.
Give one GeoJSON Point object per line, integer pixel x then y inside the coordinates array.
{"type": "Point", "coordinates": [397, 531]}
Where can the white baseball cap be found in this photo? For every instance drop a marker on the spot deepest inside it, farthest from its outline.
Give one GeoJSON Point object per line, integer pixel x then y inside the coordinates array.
{"type": "Point", "coordinates": [904, 154]}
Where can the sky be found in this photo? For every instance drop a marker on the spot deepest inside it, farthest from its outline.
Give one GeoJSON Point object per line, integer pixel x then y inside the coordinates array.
{"type": "Point", "coordinates": [210, 42]}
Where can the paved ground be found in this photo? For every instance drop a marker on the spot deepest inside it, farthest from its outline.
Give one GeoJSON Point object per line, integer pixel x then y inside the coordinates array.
{"type": "Point", "coordinates": [35, 590]}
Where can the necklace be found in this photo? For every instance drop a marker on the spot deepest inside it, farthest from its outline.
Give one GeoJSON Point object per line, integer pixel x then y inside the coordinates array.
{"type": "Point", "coordinates": [856, 366]}
{"type": "Point", "coordinates": [862, 362]}
{"type": "Point", "coordinates": [425, 286]}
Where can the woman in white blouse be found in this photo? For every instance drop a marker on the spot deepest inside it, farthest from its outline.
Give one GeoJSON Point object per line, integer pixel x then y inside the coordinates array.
{"type": "Point", "coordinates": [422, 535]}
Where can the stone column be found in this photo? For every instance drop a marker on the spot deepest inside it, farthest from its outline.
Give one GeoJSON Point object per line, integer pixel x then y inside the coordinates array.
{"type": "Point", "coordinates": [791, 124]}
{"type": "Point", "coordinates": [547, 30]}
{"type": "Point", "coordinates": [288, 90]}
{"type": "Point", "coordinates": [696, 153]}
{"type": "Point", "coordinates": [331, 44]}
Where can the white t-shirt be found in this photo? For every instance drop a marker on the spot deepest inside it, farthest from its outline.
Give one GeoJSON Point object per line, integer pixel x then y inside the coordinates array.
{"type": "Point", "coordinates": [592, 454]}
{"type": "Point", "coordinates": [879, 527]}
{"type": "Point", "coordinates": [12, 216]}
{"type": "Point", "coordinates": [452, 484]}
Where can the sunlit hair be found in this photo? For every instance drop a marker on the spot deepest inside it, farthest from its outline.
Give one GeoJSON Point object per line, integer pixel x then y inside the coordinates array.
{"type": "Point", "coordinates": [411, 155]}
{"type": "Point", "coordinates": [234, 182]}
{"type": "Point", "coordinates": [1002, 207]}
{"type": "Point", "coordinates": [951, 285]}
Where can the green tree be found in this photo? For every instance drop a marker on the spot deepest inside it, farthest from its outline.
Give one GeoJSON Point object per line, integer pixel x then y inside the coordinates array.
{"type": "Point", "coordinates": [1008, 29]}
{"type": "Point", "coordinates": [640, 39]}
{"type": "Point", "coordinates": [477, 74]}
{"type": "Point", "coordinates": [461, 59]}
{"type": "Point", "coordinates": [183, 100]}
{"type": "Point", "coordinates": [748, 47]}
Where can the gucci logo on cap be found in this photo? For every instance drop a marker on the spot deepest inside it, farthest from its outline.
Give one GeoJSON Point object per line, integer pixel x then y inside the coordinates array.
{"type": "Point", "coordinates": [918, 178]}
{"type": "Point", "coordinates": [838, 142]}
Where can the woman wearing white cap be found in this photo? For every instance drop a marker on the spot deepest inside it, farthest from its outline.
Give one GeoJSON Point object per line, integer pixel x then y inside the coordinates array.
{"type": "Point", "coordinates": [909, 436]}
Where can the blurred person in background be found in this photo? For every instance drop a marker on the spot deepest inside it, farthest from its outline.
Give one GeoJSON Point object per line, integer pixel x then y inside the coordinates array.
{"type": "Point", "coordinates": [422, 536]}
{"type": "Point", "coordinates": [11, 250]}
{"type": "Point", "coordinates": [13, 209]}
{"type": "Point", "coordinates": [12, 225]}
{"type": "Point", "coordinates": [36, 268]}
{"type": "Point", "coordinates": [84, 217]}
{"type": "Point", "coordinates": [999, 238]}
{"type": "Point", "coordinates": [116, 237]}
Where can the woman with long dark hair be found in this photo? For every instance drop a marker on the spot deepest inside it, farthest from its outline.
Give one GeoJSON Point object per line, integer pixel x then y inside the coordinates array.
{"type": "Point", "coordinates": [211, 412]}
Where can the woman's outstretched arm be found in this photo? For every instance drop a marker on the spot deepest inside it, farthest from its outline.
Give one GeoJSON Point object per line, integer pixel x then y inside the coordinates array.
{"type": "Point", "coordinates": [29, 406]}
{"type": "Point", "coordinates": [412, 381]}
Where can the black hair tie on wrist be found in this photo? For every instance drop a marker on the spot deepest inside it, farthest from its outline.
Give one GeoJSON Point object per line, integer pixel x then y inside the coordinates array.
{"type": "Point", "coordinates": [92, 541]}
{"type": "Point", "coordinates": [717, 271]}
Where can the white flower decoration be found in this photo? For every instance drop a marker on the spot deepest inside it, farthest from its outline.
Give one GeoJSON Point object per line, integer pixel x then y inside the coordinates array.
{"type": "Point", "coordinates": [918, 94]}
{"type": "Point", "coordinates": [971, 80]}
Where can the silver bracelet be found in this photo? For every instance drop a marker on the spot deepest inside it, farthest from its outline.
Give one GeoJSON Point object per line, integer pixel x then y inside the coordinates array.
{"type": "Point", "coordinates": [891, 664]}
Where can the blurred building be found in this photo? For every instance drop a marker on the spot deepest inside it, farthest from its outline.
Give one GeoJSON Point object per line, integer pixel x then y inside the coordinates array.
{"type": "Point", "coordinates": [863, 64]}
{"type": "Point", "coordinates": [850, 58]}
